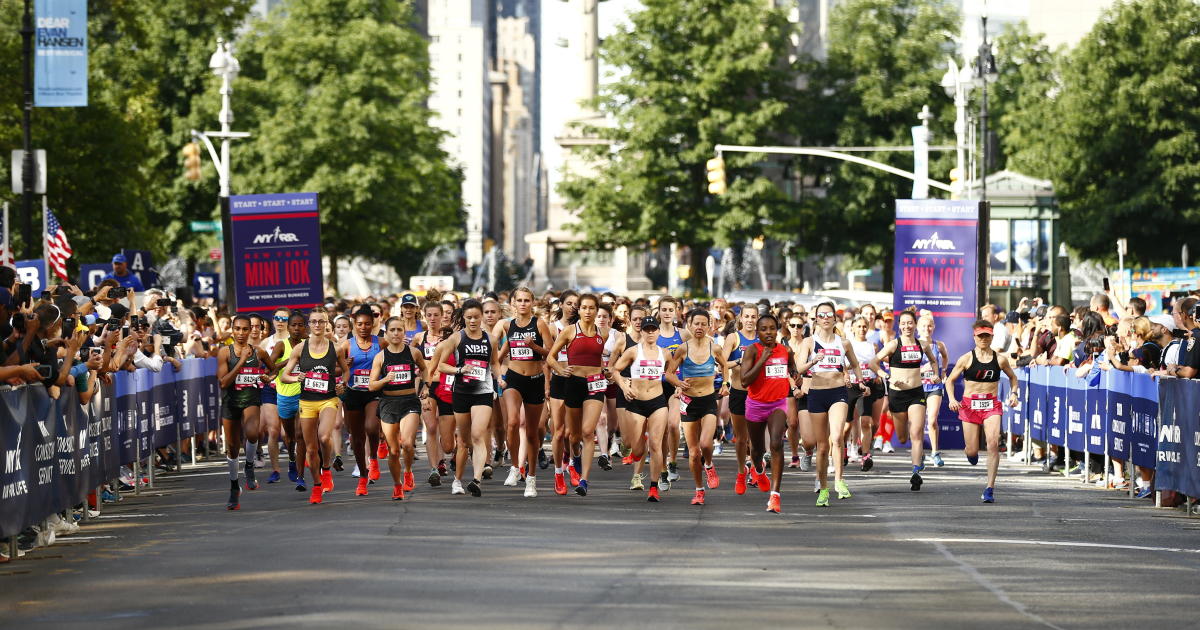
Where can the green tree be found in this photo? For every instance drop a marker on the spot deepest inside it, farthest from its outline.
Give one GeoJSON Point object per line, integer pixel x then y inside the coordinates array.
{"type": "Point", "coordinates": [1017, 101]}
{"type": "Point", "coordinates": [335, 92]}
{"type": "Point", "coordinates": [692, 74]}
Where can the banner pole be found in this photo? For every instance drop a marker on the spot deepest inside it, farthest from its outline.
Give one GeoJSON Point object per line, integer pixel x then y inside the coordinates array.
{"type": "Point", "coordinates": [137, 461]}
{"type": "Point", "coordinates": [193, 450]}
{"type": "Point", "coordinates": [178, 448]}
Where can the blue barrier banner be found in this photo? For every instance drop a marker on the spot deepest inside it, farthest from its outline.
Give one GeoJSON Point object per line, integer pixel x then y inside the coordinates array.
{"type": "Point", "coordinates": [164, 407]}
{"type": "Point", "coordinates": [1076, 401]}
{"type": "Point", "coordinates": [110, 445]}
{"type": "Point", "coordinates": [1118, 411]}
{"type": "Point", "coordinates": [1170, 471]}
{"type": "Point", "coordinates": [1144, 390]}
{"type": "Point", "coordinates": [1095, 429]}
{"type": "Point", "coordinates": [123, 415]}
{"type": "Point", "coordinates": [1056, 392]}
{"type": "Point", "coordinates": [1037, 395]}
{"type": "Point", "coordinates": [28, 428]}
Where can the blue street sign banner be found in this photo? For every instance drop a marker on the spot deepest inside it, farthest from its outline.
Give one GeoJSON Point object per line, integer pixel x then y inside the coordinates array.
{"type": "Point", "coordinates": [1144, 430]}
{"type": "Point", "coordinates": [61, 54]}
{"type": "Point", "coordinates": [206, 285]}
{"type": "Point", "coordinates": [276, 251]}
{"type": "Point", "coordinates": [141, 264]}
{"type": "Point", "coordinates": [91, 275]}
{"type": "Point", "coordinates": [1076, 406]}
{"type": "Point", "coordinates": [33, 273]}
{"type": "Point", "coordinates": [1056, 408]}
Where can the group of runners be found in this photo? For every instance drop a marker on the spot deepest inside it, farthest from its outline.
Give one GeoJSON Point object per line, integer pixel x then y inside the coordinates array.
{"type": "Point", "coordinates": [490, 382]}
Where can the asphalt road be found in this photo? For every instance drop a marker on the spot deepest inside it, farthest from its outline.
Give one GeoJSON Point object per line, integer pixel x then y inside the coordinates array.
{"type": "Point", "coordinates": [1048, 553]}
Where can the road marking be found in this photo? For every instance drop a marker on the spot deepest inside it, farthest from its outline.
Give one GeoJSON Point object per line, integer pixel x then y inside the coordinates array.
{"type": "Point", "coordinates": [129, 515]}
{"type": "Point", "coordinates": [984, 582]}
{"type": "Point", "coordinates": [78, 538]}
{"type": "Point", "coordinates": [1050, 543]}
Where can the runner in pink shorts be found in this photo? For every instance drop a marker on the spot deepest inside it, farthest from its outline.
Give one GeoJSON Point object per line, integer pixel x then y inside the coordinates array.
{"type": "Point", "coordinates": [766, 367]}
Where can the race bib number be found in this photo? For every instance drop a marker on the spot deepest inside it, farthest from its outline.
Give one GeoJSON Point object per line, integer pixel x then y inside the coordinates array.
{"type": "Point", "coordinates": [360, 379]}
{"type": "Point", "coordinates": [910, 354]}
{"type": "Point", "coordinates": [684, 401]}
{"type": "Point", "coordinates": [867, 374]}
{"type": "Point", "coordinates": [449, 380]}
{"type": "Point", "coordinates": [650, 369]}
{"type": "Point", "coordinates": [474, 370]}
{"type": "Point", "coordinates": [428, 350]}
{"type": "Point", "coordinates": [400, 374]}
{"type": "Point", "coordinates": [927, 377]}
{"type": "Point", "coordinates": [519, 350]}
{"type": "Point", "coordinates": [982, 404]}
{"type": "Point", "coordinates": [248, 378]}
{"type": "Point", "coordinates": [316, 382]}
{"type": "Point", "coordinates": [775, 368]}
{"type": "Point", "coordinates": [831, 359]}
{"type": "Point", "coordinates": [596, 383]}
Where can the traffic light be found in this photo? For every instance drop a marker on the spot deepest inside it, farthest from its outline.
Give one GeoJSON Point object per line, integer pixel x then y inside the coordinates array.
{"type": "Point", "coordinates": [716, 176]}
{"type": "Point", "coordinates": [191, 161]}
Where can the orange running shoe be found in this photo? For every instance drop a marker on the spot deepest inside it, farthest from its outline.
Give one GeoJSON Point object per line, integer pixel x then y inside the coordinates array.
{"type": "Point", "coordinates": [361, 490]}
{"type": "Point", "coordinates": [398, 492]}
{"type": "Point", "coordinates": [652, 495]}
{"type": "Point", "coordinates": [574, 475]}
{"type": "Point", "coordinates": [699, 498]}
{"type": "Point", "coordinates": [627, 460]}
{"type": "Point", "coordinates": [560, 484]}
{"type": "Point", "coordinates": [326, 480]}
{"type": "Point", "coordinates": [739, 486]}
{"type": "Point", "coordinates": [373, 469]}
{"type": "Point", "coordinates": [764, 482]}
{"type": "Point", "coordinates": [713, 480]}
{"type": "Point", "coordinates": [382, 451]}
{"type": "Point", "coordinates": [773, 503]}
{"type": "Point", "coordinates": [317, 494]}
{"type": "Point", "coordinates": [409, 481]}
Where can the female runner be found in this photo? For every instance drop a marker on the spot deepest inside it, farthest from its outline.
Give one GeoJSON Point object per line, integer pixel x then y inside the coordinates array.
{"type": "Point", "coordinates": [614, 344]}
{"type": "Point", "coordinates": [698, 359]}
{"type": "Point", "coordinates": [735, 345]}
{"type": "Point", "coordinates": [523, 340]}
{"type": "Point", "coordinates": [569, 303]}
{"type": "Point", "coordinates": [670, 338]}
{"type": "Point", "coordinates": [241, 370]}
{"type": "Point", "coordinates": [395, 372]}
{"type": "Point", "coordinates": [360, 403]}
{"type": "Point", "coordinates": [766, 367]}
{"type": "Point", "coordinates": [438, 414]}
{"type": "Point", "coordinates": [979, 407]}
{"type": "Point", "coordinates": [647, 403]}
{"type": "Point", "coordinates": [822, 355]}
{"type": "Point", "coordinates": [287, 397]}
{"type": "Point", "coordinates": [470, 357]}
{"type": "Point", "coordinates": [584, 390]}
{"type": "Point", "coordinates": [315, 364]}
{"type": "Point", "coordinates": [409, 317]}
{"type": "Point", "coordinates": [798, 419]}
{"type": "Point", "coordinates": [633, 336]}
{"type": "Point", "coordinates": [492, 313]}
{"type": "Point", "coordinates": [864, 409]}
{"type": "Point", "coordinates": [934, 392]}
{"type": "Point", "coordinates": [906, 394]}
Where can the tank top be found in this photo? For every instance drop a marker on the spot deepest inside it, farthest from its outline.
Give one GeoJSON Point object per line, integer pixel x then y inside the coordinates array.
{"type": "Point", "coordinates": [930, 370]}
{"type": "Point", "coordinates": [831, 356]}
{"type": "Point", "coordinates": [743, 343]}
{"type": "Point", "coordinates": [427, 348]}
{"type": "Point", "coordinates": [401, 370]}
{"type": "Point", "coordinates": [863, 351]}
{"type": "Point", "coordinates": [287, 389]}
{"type": "Point", "coordinates": [981, 372]}
{"type": "Point", "coordinates": [691, 369]}
{"type": "Point", "coordinates": [360, 362]}
{"type": "Point", "coordinates": [562, 354]}
{"type": "Point", "coordinates": [409, 334]}
{"type": "Point", "coordinates": [585, 351]}
{"type": "Point", "coordinates": [446, 382]}
{"type": "Point", "coordinates": [475, 356]}
{"type": "Point", "coordinates": [772, 384]}
{"type": "Point", "coordinates": [905, 355]}
{"type": "Point", "coordinates": [647, 369]}
{"type": "Point", "coordinates": [247, 375]}
{"type": "Point", "coordinates": [317, 373]}
{"type": "Point", "coordinates": [519, 338]}
{"type": "Point", "coordinates": [670, 343]}
{"type": "Point", "coordinates": [610, 344]}
{"type": "Point", "coordinates": [629, 343]}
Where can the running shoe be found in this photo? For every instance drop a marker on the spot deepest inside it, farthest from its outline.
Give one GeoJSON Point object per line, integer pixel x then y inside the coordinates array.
{"type": "Point", "coordinates": [614, 447]}
{"type": "Point", "coordinates": [435, 479]}
{"type": "Point", "coordinates": [605, 462]}
{"type": "Point", "coordinates": [763, 481]}
{"type": "Point", "coordinates": [627, 460]}
{"type": "Point", "coordinates": [711, 478]}
{"type": "Point", "coordinates": [806, 463]}
{"type": "Point", "coordinates": [273, 477]}
{"type": "Point", "coordinates": [888, 448]}
{"type": "Point", "coordinates": [868, 462]}
{"type": "Point", "coordinates": [652, 496]}
{"type": "Point", "coordinates": [988, 496]}
{"type": "Point", "coordinates": [382, 451]}
{"type": "Point", "coordinates": [581, 488]}
{"type": "Point", "coordinates": [795, 463]}
{"type": "Point", "coordinates": [488, 471]}
{"type": "Point", "coordinates": [292, 475]}
{"type": "Point", "coordinates": [773, 503]}
{"type": "Point", "coordinates": [337, 463]}
{"type": "Point", "coordinates": [326, 480]}
{"type": "Point", "coordinates": [543, 461]}
{"type": "Point", "coordinates": [672, 471]}
{"type": "Point", "coordinates": [739, 485]}
{"type": "Point", "coordinates": [398, 492]}
{"type": "Point", "coordinates": [356, 473]}
{"type": "Point", "coordinates": [664, 482]}
{"type": "Point", "coordinates": [234, 494]}
{"type": "Point", "coordinates": [531, 487]}
{"type": "Point", "coordinates": [251, 482]}
{"type": "Point", "coordinates": [317, 495]}
{"type": "Point", "coordinates": [373, 469]}
{"type": "Point", "coordinates": [823, 498]}
{"type": "Point", "coordinates": [1145, 492]}
{"type": "Point", "coordinates": [877, 444]}
{"type": "Point", "coordinates": [441, 467]}
{"type": "Point", "coordinates": [915, 481]}
{"type": "Point", "coordinates": [361, 490]}
{"type": "Point", "coordinates": [560, 484]}
{"type": "Point", "coordinates": [973, 459]}
{"type": "Point", "coordinates": [843, 491]}
{"type": "Point", "coordinates": [301, 485]}
{"type": "Point", "coordinates": [473, 488]}
{"type": "Point", "coordinates": [574, 475]}
{"type": "Point", "coordinates": [635, 483]}
{"type": "Point", "coordinates": [409, 481]}
{"type": "Point", "coordinates": [107, 496]}
{"type": "Point", "coordinates": [514, 474]}
{"type": "Point", "coordinates": [717, 450]}
{"type": "Point", "coordinates": [938, 461]}
{"type": "Point", "coordinates": [698, 498]}
{"type": "Point", "coordinates": [456, 487]}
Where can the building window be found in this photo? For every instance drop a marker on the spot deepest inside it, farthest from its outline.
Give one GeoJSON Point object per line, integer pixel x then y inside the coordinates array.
{"type": "Point", "coordinates": [998, 234]}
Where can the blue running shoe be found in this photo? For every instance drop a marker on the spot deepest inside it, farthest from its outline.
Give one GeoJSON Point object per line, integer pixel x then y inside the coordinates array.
{"type": "Point", "coordinates": [107, 496]}
{"type": "Point", "coordinates": [300, 485]}
{"type": "Point", "coordinates": [581, 489]}
{"type": "Point", "coordinates": [1142, 493]}
{"type": "Point", "coordinates": [577, 462]}
{"type": "Point", "coordinates": [973, 459]}
{"type": "Point", "coordinates": [987, 496]}
{"type": "Point", "coordinates": [274, 477]}
{"type": "Point", "coordinates": [938, 461]}
{"type": "Point", "coordinates": [292, 476]}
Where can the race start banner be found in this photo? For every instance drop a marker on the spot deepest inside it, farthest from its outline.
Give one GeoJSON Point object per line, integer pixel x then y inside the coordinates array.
{"type": "Point", "coordinates": [276, 251]}
{"type": "Point", "coordinates": [936, 269]}
{"type": "Point", "coordinates": [61, 57]}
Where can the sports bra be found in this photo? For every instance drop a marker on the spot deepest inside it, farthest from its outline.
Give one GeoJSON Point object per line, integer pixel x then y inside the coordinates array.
{"type": "Point", "coordinates": [360, 362]}
{"type": "Point", "coordinates": [647, 369]}
{"type": "Point", "coordinates": [585, 351]}
{"type": "Point", "coordinates": [743, 343]}
{"type": "Point", "coordinates": [981, 372]}
{"type": "Point", "coordinates": [401, 369]}
{"type": "Point", "coordinates": [831, 356]}
{"type": "Point", "coordinates": [906, 356]}
{"type": "Point", "coordinates": [691, 369]}
{"type": "Point", "coordinates": [519, 338]}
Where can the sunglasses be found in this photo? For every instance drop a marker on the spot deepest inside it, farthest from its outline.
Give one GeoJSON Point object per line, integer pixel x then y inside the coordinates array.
{"type": "Point", "coordinates": [794, 325]}
{"type": "Point", "coordinates": [984, 335]}
{"type": "Point", "coordinates": [281, 318]}
{"type": "Point", "coordinates": [826, 315]}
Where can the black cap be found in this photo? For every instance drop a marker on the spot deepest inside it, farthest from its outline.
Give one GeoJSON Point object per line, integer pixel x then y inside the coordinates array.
{"type": "Point", "coordinates": [1012, 317]}
{"type": "Point", "coordinates": [649, 322]}
{"type": "Point", "coordinates": [408, 299]}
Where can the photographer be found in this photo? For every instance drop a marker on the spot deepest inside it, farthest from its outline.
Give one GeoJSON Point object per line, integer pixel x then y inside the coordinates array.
{"type": "Point", "coordinates": [42, 341]}
{"type": "Point", "coordinates": [13, 372]}
{"type": "Point", "coordinates": [1186, 313]}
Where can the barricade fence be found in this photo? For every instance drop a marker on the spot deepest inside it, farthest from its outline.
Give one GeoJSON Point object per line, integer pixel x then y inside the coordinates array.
{"type": "Point", "coordinates": [57, 451]}
{"type": "Point", "coordinates": [1154, 422]}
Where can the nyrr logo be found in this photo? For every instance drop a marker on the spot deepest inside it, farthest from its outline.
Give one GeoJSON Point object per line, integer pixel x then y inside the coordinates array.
{"type": "Point", "coordinates": [933, 242]}
{"type": "Point", "coordinates": [277, 236]}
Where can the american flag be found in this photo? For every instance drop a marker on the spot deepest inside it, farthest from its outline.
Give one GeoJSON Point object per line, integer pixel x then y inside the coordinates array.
{"type": "Point", "coordinates": [6, 253]}
{"type": "Point", "coordinates": [58, 250]}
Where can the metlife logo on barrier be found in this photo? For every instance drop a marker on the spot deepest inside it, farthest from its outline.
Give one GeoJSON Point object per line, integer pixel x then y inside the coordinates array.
{"type": "Point", "coordinates": [276, 251]}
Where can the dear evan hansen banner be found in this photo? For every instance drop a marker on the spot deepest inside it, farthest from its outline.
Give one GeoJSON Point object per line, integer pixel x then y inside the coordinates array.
{"type": "Point", "coordinates": [61, 57]}
{"type": "Point", "coordinates": [276, 251]}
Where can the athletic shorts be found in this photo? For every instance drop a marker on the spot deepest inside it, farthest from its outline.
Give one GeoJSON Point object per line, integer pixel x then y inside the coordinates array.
{"type": "Point", "coordinates": [853, 394]}
{"type": "Point", "coordinates": [357, 399]}
{"type": "Point", "coordinates": [622, 403]}
{"type": "Point", "coordinates": [392, 409]}
{"type": "Point", "coordinates": [558, 387]}
{"type": "Point", "coordinates": [737, 401]}
{"type": "Point", "coordinates": [444, 408]}
{"type": "Point", "coordinates": [575, 392]}
{"type": "Point", "coordinates": [268, 396]}
{"type": "Point", "coordinates": [313, 408]}
{"type": "Point", "coordinates": [934, 390]}
{"type": "Point", "coordinates": [232, 406]}
{"type": "Point", "coordinates": [978, 407]}
{"type": "Point", "coordinates": [899, 400]}
{"type": "Point", "coordinates": [757, 411]}
{"type": "Point", "coordinates": [613, 392]}
{"type": "Point", "coordinates": [645, 408]}
{"type": "Point", "coordinates": [463, 402]}
{"type": "Point", "coordinates": [697, 407]}
{"type": "Point", "coordinates": [531, 388]}
{"type": "Point", "coordinates": [289, 406]}
{"type": "Point", "coordinates": [820, 400]}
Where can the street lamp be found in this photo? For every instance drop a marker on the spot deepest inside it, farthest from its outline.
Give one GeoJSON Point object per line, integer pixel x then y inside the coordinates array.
{"type": "Point", "coordinates": [985, 73]}
{"type": "Point", "coordinates": [957, 84]}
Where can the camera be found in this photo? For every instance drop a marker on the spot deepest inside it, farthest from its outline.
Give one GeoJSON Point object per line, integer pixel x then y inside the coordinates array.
{"type": "Point", "coordinates": [1178, 333]}
{"type": "Point", "coordinates": [18, 322]}
{"type": "Point", "coordinates": [163, 302]}
{"type": "Point", "coordinates": [44, 371]}
{"type": "Point", "coordinates": [24, 294]}
{"type": "Point", "coordinates": [68, 327]}
{"type": "Point", "coordinates": [171, 335]}
{"type": "Point", "coordinates": [117, 293]}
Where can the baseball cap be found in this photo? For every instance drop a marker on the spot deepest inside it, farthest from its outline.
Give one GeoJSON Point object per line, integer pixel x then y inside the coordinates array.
{"type": "Point", "coordinates": [982, 330]}
{"type": "Point", "coordinates": [408, 299]}
{"type": "Point", "coordinates": [649, 322]}
{"type": "Point", "coordinates": [82, 300]}
{"type": "Point", "coordinates": [119, 258]}
{"type": "Point", "coordinates": [1012, 317]}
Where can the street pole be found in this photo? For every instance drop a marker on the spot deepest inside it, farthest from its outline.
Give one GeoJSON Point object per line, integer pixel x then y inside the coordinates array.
{"type": "Point", "coordinates": [985, 73]}
{"type": "Point", "coordinates": [27, 179]}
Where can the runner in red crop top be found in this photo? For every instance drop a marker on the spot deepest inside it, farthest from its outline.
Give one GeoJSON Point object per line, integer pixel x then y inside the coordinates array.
{"type": "Point", "coordinates": [766, 367]}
